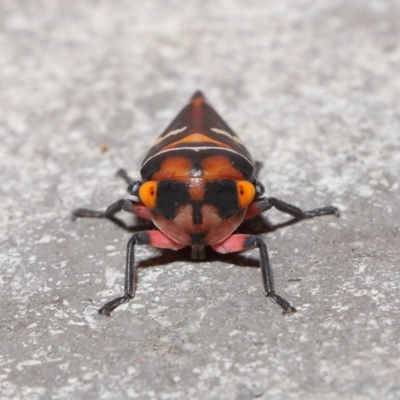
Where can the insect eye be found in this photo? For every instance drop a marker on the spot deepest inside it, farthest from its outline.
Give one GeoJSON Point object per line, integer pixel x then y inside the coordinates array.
{"type": "Point", "coordinates": [133, 188]}
{"type": "Point", "coordinates": [148, 194]}
{"type": "Point", "coordinates": [260, 190]}
{"type": "Point", "coordinates": [246, 193]}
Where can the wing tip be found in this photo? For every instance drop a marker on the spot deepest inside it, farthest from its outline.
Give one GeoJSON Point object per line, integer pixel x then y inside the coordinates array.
{"type": "Point", "coordinates": [198, 96]}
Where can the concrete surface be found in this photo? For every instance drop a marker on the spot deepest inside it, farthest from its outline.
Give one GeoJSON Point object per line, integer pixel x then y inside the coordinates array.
{"type": "Point", "coordinates": [313, 88]}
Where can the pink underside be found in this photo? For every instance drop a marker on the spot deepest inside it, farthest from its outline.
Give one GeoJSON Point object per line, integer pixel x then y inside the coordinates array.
{"type": "Point", "coordinates": [252, 210]}
{"type": "Point", "coordinates": [162, 241]}
{"type": "Point", "coordinates": [141, 211]}
{"type": "Point", "coordinates": [231, 244]}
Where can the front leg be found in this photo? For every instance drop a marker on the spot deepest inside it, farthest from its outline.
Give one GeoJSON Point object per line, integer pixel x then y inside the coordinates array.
{"type": "Point", "coordinates": [240, 242]}
{"type": "Point", "coordinates": [134, 207]}
{"type": "Point", "coordinates": [151, 238]}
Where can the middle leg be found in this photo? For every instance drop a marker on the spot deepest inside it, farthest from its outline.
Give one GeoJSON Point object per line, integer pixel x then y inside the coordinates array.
{"type": "Point", "coordinates": [265, 204]}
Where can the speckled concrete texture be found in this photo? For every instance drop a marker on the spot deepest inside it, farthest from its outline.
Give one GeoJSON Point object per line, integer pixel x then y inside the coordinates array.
{"type": "Point", "coordinates": [312, 88]}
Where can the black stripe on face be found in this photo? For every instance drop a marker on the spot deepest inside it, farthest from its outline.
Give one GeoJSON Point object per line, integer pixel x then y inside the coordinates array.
{"type": "Point", "coordinates": [170, 196]}
{"type": "Point", "coordinates": [198, 239]}
{"type": "Point", "coordinates": [222, 194]}
{"type": "Point", "coordinates": [197, 216]}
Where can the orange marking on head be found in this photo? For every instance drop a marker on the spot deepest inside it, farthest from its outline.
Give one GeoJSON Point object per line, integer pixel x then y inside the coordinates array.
{"type": "Point", "coordinates": [173, 167]}
{"type": "Point", "coordinates": [196, 189]}
{"type": "Point", "coordinates": [220, 167]}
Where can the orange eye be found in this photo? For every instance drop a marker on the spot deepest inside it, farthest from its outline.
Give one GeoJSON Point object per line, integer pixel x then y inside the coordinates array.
{"type": "Point", "coordinates": [246, 193]}
{"type": "Point", "coordinates": [148, 194]}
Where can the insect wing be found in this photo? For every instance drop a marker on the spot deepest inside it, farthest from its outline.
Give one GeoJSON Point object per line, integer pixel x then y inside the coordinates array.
{"type": "Point", "coordinates": [198, 133]}
{"type": "Point", "coordinates": [198, 124]}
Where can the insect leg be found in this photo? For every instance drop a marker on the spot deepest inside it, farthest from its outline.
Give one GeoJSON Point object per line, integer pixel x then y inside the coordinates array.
{"type": "Point", "coordinates": [137, 238]}
{"type": "Point", "coordinates": [151, 238]}
{"type": "Point", "coordinates": [240, 242]}
{"type": "Point", "coordinates": [127, 205]}
{"type": "Point", "coordinates": [298, 213]}
{"type": "Point", "coordinates": [124, 175]}
{"type": "Point", "coordinates": [257, 168]}
{"type": "Point", "coordinates": [259, 206]}
{"type": "Point", "coordinates": [256, 241]}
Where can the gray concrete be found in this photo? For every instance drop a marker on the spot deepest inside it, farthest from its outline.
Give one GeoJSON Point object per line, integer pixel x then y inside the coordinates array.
{"type": "Point", "coordinates": [312, 87]}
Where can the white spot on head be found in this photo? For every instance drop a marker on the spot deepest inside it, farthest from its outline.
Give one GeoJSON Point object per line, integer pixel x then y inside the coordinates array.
{"type": "Point", "coordinates": [196, 172]}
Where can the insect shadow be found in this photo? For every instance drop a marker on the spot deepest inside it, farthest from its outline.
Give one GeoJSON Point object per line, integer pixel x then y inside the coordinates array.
{"type": "Point", "coordinates": [257, 225]}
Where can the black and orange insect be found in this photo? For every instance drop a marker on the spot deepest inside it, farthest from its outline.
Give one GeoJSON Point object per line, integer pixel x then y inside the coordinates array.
{"type": "Point", "coordinates": [198, 185]}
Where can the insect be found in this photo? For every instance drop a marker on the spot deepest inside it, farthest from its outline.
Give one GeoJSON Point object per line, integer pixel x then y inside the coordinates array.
{"type": "Point", "coordinates": [198, 184]}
